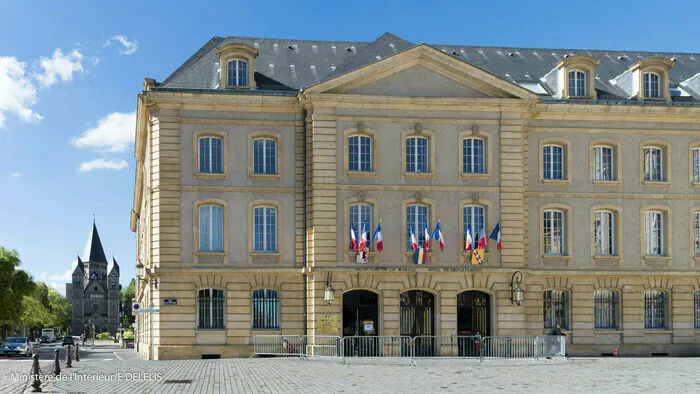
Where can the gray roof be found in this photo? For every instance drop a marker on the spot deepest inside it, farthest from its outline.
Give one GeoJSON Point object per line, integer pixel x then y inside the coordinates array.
{"type": "Point", "coordinates": [113, 266]}
{"type": "Point", "coordinates": [93, 249]}
{"type": "Point", "coordinates": [285, 65]}
{"type": "Point", "coordinates": [77, 264]}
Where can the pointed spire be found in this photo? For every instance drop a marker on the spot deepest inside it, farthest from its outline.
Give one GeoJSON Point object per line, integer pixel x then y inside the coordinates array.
{"type": "Point", "coordinates": [113, 266]}
{"type": "Point", "coordinates": [78, 268]}
{"type": "Point", "coordinates": [93, 249]}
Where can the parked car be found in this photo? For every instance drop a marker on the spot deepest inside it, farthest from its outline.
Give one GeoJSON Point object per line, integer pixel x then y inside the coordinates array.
{"type": "Point", "coordinates": [68, 340]}
{"type": "Point", "coordinates": [44, 339]}
{"type": "Point", "coordinates": [17, 346]}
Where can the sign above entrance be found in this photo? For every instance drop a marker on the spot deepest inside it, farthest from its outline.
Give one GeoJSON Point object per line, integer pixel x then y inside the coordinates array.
{"type": "Point", "coordinates": [327, 325]}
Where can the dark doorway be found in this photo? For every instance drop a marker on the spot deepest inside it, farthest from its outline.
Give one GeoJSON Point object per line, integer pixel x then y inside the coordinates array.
{"type": "Point", "coordinates": [418, 319]}
{"type": "Point", "coordinates": [473, 316]}
{"type": "Point", "coordinates": [360, 319]}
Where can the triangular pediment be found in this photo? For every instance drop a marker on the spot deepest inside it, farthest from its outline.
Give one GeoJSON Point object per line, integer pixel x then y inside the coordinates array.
{"type": "Point", "coordinates": [422, 71]}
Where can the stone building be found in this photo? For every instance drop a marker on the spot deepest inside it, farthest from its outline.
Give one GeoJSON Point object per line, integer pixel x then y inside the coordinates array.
{"type": "Point", "coordinates": [94, 289]}
{"type": "Point", "coordinates": [256, 155]}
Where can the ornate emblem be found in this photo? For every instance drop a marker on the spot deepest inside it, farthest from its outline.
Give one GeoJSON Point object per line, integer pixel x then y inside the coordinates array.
{"type": "Point", "coordinates": [362, 256]}
{"type": "Point", "coordinates": [361, 127]}
{"type": "Point", "coordinates": [361, 196]}
{"type": "Point", "coordinates": [475, 197]}
{"type": "Point", "coordinates": [419, 196]}
{"type": "Point", "coordinates": [418, 128]}
{"type": "Point", "coordinates": [475, 129]}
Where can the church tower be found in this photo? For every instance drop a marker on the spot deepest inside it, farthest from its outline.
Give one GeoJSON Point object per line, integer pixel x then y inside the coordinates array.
{"type": "Point", "coordinates": [94, 290]}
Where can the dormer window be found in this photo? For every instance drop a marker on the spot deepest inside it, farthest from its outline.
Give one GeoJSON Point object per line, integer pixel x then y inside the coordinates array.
{"type": "Point", "coordinates": [237, 65]}
{"type": "Point", "coordinates": [577, 83]}
{"type": "Point", "coordinates": [237, 73]}
{"type": "Point", "coordinates": [652, 85]}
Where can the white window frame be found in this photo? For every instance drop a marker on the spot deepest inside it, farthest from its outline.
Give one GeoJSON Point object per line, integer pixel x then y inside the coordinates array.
{"type": "Point", "coordinates": [418, 224]}
{"type": "Point", "coordinates": [551, 174]}
{"type": "Point", "coordinates": [604, 233]}
{"type": "Point", "coordinates": [599, 156]}
{"type": "Point", "coordinates": [415, 155]}
{"type": "Point", "coordinates": [654, 244]}
{"type": "Point", "coordinates": [356, 219]}
{"type": "Point", "coordinates": [653, 157]}
{"type": "Point", "coordinates": [210, 153]}
{"type": "Point", "coordinates": [648, 85]}
{"type": "Point", "coordinates": [696, 164]}
{"type": "Point", "coordinates": [206, 219]}
{"type": "Point", "coordinates": [473, 160]}
{"type": "Point", "coordinates": [469, 219]}
{"type": "Point", "coordinates": [268, 143]}
{"type": "Point", "coordinates": [575, 77]}
{"type": "Point", "coordinates": [240, 75]}
{"type": "Point", "coordinates": [358, 141]}
{"type": "Point", "coordinates": [262, 211]}
{"type": "Point", "coordinates": [549, 218]}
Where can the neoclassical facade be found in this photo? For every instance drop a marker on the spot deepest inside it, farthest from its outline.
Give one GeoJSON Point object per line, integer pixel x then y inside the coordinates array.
{"type": "Point", "coordinates": [257, 157]}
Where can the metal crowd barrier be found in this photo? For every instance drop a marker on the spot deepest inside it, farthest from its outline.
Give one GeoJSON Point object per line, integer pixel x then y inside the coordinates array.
{"type": "Point", "coordinates": [378, 347]}
{"type": "Point", "coordinates": [550, 346]}
{"type": "Point", "coordinates": [322, 346]}
{"type": "Point", "coordinates": [509, 347]}
{"type": "Point", "coordinates": [447, 346]}
{"type": "Point", "coordinates": [278, 345]}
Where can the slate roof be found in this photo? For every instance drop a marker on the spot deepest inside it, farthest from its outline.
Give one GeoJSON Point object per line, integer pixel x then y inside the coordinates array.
{"type": "Point", "coordinates": [77, 263]}
{"type": "Point", "coordinates": [93, 249]}
{"type": "Point", "coordinates": [284, 66]}
{"type": "Point", "coordinates": [112, 265]}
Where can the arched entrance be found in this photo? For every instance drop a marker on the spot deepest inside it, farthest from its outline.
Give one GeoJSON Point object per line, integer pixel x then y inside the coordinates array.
{"type": "Point", "coordinates": [418, 318]}
{"type": "Point", "coordinates": [473, 318]}
{"type": "Point", "coordinates": [360, 313]}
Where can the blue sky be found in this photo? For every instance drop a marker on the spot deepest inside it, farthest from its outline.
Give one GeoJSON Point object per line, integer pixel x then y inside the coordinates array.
{"type": "Point", "coordinates": [67, 98]}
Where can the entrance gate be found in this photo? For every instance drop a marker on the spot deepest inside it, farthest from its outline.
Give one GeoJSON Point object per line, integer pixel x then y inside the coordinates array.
{"type": "Point", "coordinates": [418, 319]}
{"type": "Point", "coordinates": [360, 319]}
{"type": "Point", "coordinates": [473, 316]}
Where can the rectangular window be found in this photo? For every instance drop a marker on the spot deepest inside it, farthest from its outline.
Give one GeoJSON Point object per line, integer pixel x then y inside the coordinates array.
{"type": "Point", "coordinates": [474, 219]}
{"type": "Point", "coordinates": [265, 156]}
{"type": "Point", "coordinates": [265, 229]}
{"type": "Point", "coordinates": [211, 228]}
{"type": "Point", "coordinates": [265, 309]}
{"type": "Point", "coordinates": [603, 163]}
{"type": "Point", "coordinates": [651, 85]}
{"type": "Point", "coordinates": [696, 232]}
{"type": "Point", "coordinates": [655, 310]}
{"type": "Point", "coordinates": [553, 162]}
{"type": "Point", "coordinates": [577, 83]}
{"type": "Point", "coordinates": [360, 153]}
{"type": "Point", "coordinates": [473, 156]}
{"type": "Point", "coordinates": [417, 155]}
{"type": "Point", "coordinates": [654, 233]}
{"type": "Point", "coordinates": [697, 310]}
{"type": "Point", "coordinates": [556, 309]}
{"type": "Point", "coordinates": [696, 165]}
{"type": "Point", "coordinates": [653, 164]}
{"type": "Point", "coordinates": [210, 305]}
{"type": "Point", "coordinates": [553, 227]}
{"type": "Point", "coordinates": [210, 155]}
{"type": "Point", "coordinates": [237, 73]}
{"type": "Point", "coordinates": [359, 215]}
{"type": "Point", "coordinates": [606, 310]}
{"type": "Point", "coordinates": [416, 216]}
{"type": "Point", "coordinates": [604, 228]}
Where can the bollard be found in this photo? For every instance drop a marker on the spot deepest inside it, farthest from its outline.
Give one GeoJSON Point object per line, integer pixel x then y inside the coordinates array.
{"type": "Point", "coordinates": [68, 360]}
{"type": "Point", "coordinates": [56, 362]}
{"type": "Point", "coordinates": [77, 352]}
{"type": "Point", "coordinates": [36, 381]}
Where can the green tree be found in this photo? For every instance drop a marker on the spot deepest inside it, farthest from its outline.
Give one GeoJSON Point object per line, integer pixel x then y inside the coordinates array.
{"type": "Point", "coordinates": [34, 314]}
{"type": "Point", "coordinates": [41, 293]}
{"type": "Point", "coordinates": [128, 294]}
{"type": "Point", "coordinates": [15, 284]}
{"type": "Point", "coordinates": [60, 308]}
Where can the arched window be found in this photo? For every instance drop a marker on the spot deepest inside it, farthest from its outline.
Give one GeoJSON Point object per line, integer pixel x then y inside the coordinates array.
{"type": "Point", "coordinates": [474, 221]}
{"type": "Point", "coordinates": [417, 218]}
{"type": "Point", "coordinates": [211, 228]}
{"type": "Point", "coordinates": [696, 164]}
{"type": "Point", "coordinates": [265, 156]}
{"type": "Point", "coordinates": [360, 153]}
{"type": "Point", "coordinates": [473, 155]}
{"type": "Point", "coordinates": [696, 307]}
{"type": "Point", "coordinates": [604, 232]}
{"type": "Point", "coordinates": [653, 164]}
{"type": "Point", "coordinates": [556, 309]}
{"type": "Point", "coordinates": [606, 310]}
{"type": "Point", "coordinates": [603, 166]}
{"type": "Point", "coordinates": [265, 229]}
{"type": "Point", "coordinates": [577, 83]}
{"type": "Point", "coordinates": [265, 309]}
{"type": "Point", "coordinates": [696, 233]}
{"type": "Point", "coordinates": [553, 232]}
{"type": "Point", "coordinates": [237, 73]}
{"type": "Point", "coordinates": [553, 162]}
{"type": "Point", "coordinates": [360, 215]}
{"type": "Point", "coordinates": [210, 308]}
{"type": "Point", "coordinates": [211, 155]}
{"type": "Point", "coordinates": [655, 310]}
{"type": "Point", "coordinates": [652, 85]}
{"type": "Point", "coordinates": [417, 155]}
{"type": "Point", "coordinates": [654, 237]}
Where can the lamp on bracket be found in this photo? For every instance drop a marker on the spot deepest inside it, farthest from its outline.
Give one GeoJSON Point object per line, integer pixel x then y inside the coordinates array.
{"type": "Point", "coordinates": [517, 294]}
{"type": "Point", "coordinates": [329, 295]}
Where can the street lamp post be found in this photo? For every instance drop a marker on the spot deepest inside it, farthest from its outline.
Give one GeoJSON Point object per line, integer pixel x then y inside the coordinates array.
{"type": "Point", "coordinates": [516, 295]}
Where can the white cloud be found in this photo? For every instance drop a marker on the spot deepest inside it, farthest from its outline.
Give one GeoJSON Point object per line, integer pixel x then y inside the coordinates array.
{"type": "Point", "coordinates": [129, 46]}
{"type": "Point", "coordinates": [59, 66]}
{"type": "Point", "coordinates": [56, 280]}
{"type": "Point", "coordinates": [113, 133]}
{"type": "Point", "coordinates": [102, 164]}
{"type": "Point", "coordinates": [17, 175]}
{"type": "Point", "coordinates": [18, 93]}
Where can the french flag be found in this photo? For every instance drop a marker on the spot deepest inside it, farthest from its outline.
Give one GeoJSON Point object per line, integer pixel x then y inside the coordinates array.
{"type": "Point", "coordinates": [469, 241]}
{"type": "Point", "coordinates": [482, 239]}
{"type": "Point", "coordinates": [353, 238]}
{"type": "Point", "coordinates": [496, 234]}
{"type": "Point", "coordinates": [414, 244]}
{"type": "Point", "coordinates": [426, 234]}
{"type": "Point", "coordinates": [378, 236]}
{"type": "Point", "coordinates": [437, 234]}
{"type": "Point", "coordinates": [363, 237]}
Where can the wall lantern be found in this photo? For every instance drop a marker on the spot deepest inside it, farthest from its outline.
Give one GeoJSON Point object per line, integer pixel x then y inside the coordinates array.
{"type": "Point", "coordinates": [516, 295]}
{"type": "Point", "coordinates": [329, 296]}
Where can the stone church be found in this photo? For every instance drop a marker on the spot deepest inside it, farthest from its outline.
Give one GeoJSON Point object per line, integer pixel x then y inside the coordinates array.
{"type": "Point", "coordinates": [94, 289]}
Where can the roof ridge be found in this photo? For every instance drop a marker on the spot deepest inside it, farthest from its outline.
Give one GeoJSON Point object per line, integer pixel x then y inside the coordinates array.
{"type": "Point", "coordinates": [197, 55]}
